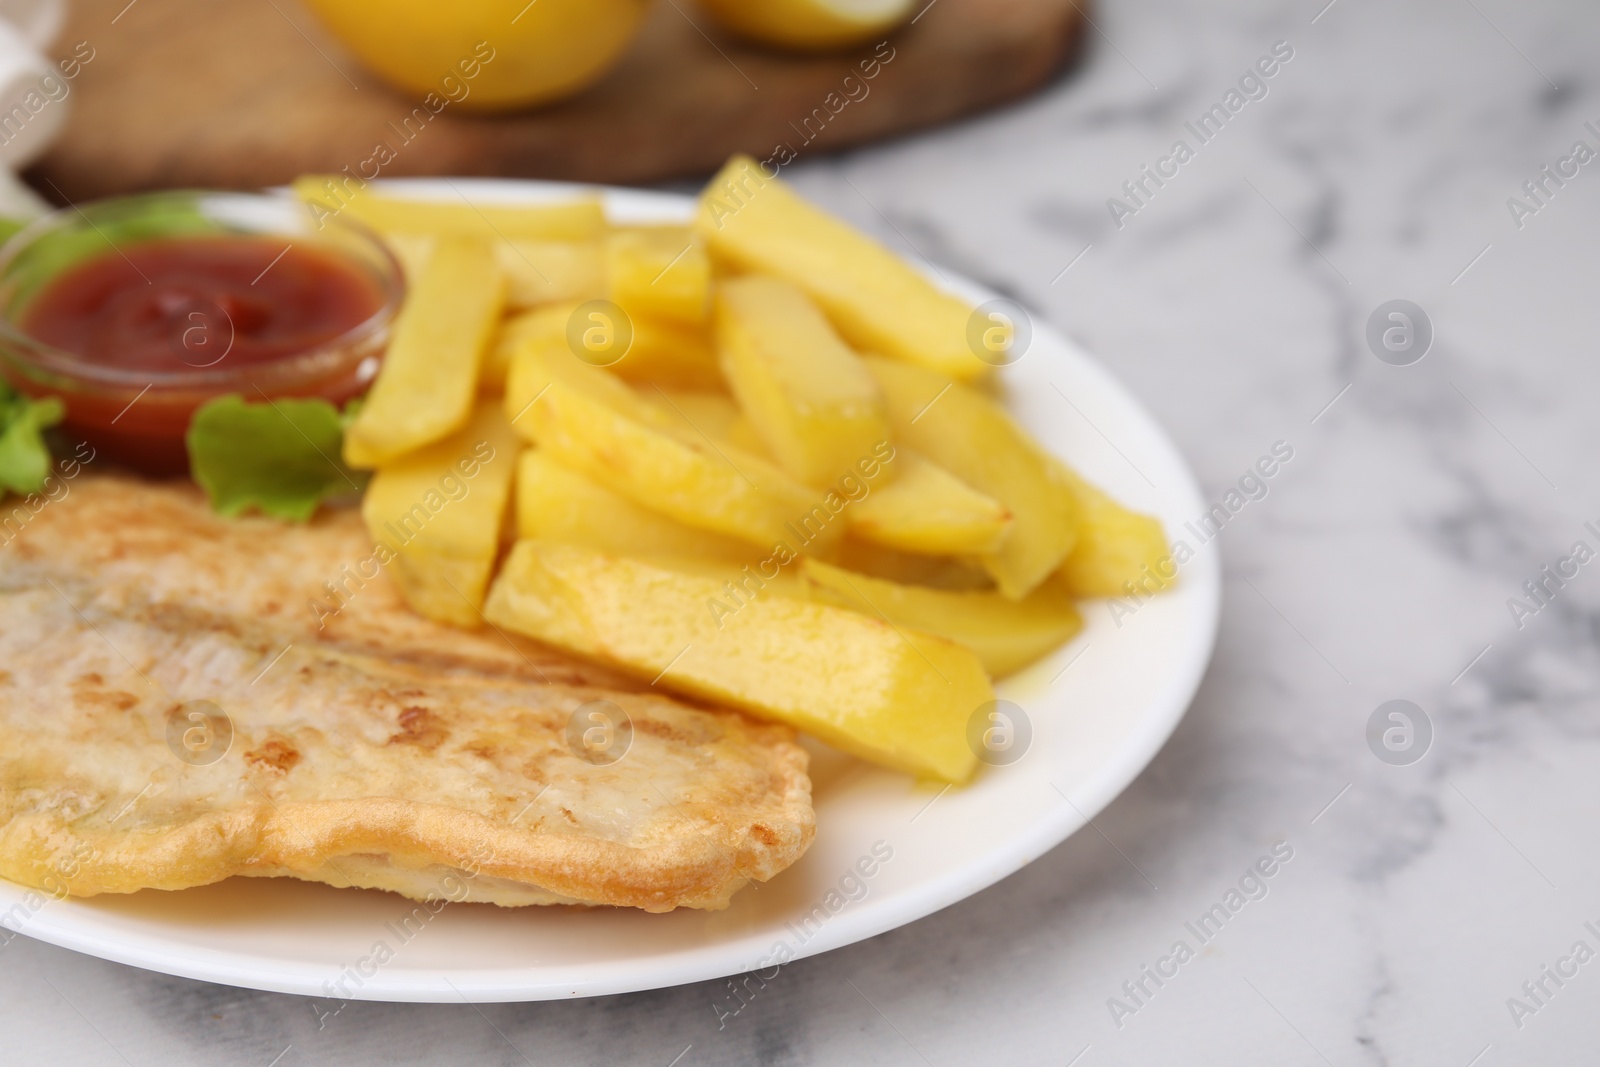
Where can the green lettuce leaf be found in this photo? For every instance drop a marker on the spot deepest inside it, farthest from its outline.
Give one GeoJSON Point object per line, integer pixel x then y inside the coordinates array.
{"type": "Point", "coordinates": [280, 457]}
{"type": "Point", "coordinates": [24, 457]}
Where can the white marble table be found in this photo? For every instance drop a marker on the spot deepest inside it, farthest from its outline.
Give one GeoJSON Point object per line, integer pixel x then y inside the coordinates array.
{"type": "Point", "coordinates": [1234, 300]}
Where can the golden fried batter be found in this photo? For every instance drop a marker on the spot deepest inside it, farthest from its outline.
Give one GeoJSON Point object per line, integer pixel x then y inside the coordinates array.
{"type": "Point", "coordinates": [368, 746]}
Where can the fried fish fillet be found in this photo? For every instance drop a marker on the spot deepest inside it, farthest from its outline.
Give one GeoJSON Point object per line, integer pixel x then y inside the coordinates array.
{"type": "Point", "coordinates": [369, 747]}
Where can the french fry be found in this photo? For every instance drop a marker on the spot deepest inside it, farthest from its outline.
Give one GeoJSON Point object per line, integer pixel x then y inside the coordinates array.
{"type": "Point", "coordinates": [543, 272]}
{"type": "Point", "coordinates": [1116, 548]}
{"type": "Point", "coordinates": [536, 272]}
{"type": "Point", "coordinates": [1006, 635]}
{"type": "Point", "coordinates": [741, 433]}
{"type": "Point", "coordinates": [660, 274]}
{"type": "Point", "coordinates": [673, 233]}
{"type": "Point", "coordinates": [741, 581]}
{"type": "Point", "coordinates": [661, 354]}
{"type": "Point", "coordinates": [560, 505]}
{"type": "Point", "coordinates": [927, 509]}
{"type": "Point", "coordinates": [412, 250]}
{"type": "Point", "coordinates": [595, 424]}
{"type": "Point", "coordinates": [430, 375]}
{"type": "Point", "coordinates": [708, 415]}
{"type": "Point", "coordinates": [874, 298]}
{"type": "Point", "coordinates": [910, 568]}
{"type": "Point", "coordinates": [515, 331]}
{"type": "Point", "coordinates": [806, 393]}
{"type": "Point", "coordinates": [578, 219]}
{"type": "Point", "coordinates": [970, 435]}
{"type": "Point", "coordinates": [898, 698]}
{"type": "Point", "coordinates": [669, 354]}
{"type": "Point", "coordinates": [439, 510]}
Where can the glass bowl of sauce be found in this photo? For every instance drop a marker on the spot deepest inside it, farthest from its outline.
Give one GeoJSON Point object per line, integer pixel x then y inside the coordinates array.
{"type": "Point", "coordinates": [136, 310]}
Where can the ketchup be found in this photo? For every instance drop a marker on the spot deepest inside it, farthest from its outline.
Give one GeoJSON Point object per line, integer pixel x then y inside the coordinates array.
{"type": "Point", "coordinates": [202, 316]}
{"type": "Point", "coordinates": [194, 303]}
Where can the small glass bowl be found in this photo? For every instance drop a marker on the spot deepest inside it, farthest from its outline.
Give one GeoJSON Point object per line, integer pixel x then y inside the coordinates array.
{"type": "Point", "coordinates": [138, 417]}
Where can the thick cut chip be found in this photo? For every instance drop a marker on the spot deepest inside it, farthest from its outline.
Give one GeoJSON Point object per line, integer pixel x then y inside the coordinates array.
{"type": "Point", "coordinates": [547, 324]}
{"type": "Point", "coordinates": [429, 378]}
{"type": "Point", "coordinates": [911, 568]}
{"type": "Point", "coordinates": [897, 697]}
{"type": "Point", "coordinates": [557, 504]}
{"type": "Point", "coordinates": [536, 272]}
{"type": "Point", "coordinates": [875, 299]}
{"type": "Point", "coordinates": [543, 272]}
{"type": "Point", "coordinates": [663, 273]}
{"type": "Point", "coordinates": [440, 510]}
{"type": "Point", "coordinates": [710, 415]}
{"type": "Point", "coordinates": [658, 352]}
{"type": "Point", "coordinates": [1007, 635]}
{"type": "Point", "coordinates": [742, 434]}
{"type": "Point", "coordinates": [670, 354]}
{"type": "Point", "coordinates": [1119, 552]}
{"type": "Point", "coordinates": [578, 219]}
{"type": "Point", "coordinates": [413, 250]}
{"type": "Point", "coordinates": [677, 232]}
{"type": "Point", "coordinates": [594, 423]}
{"type": "Point", "coordinates": [185, 698]}
{"type": "Point", "coordinates": [928, 509]}
{"type": "Point", "coordinates": [805, 392]}
{"type": "Point", "coordinates": [970, 435]}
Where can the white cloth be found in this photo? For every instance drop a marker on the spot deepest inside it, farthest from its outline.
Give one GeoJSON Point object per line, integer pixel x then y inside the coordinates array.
{"type": "Point", "coordinates": [34, 96]}
{"type": "Point", "coordinates": [38, 21]}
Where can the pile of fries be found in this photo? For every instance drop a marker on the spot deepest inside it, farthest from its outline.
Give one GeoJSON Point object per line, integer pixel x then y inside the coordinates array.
{"type": "Point", "coordinates": [753, 460]}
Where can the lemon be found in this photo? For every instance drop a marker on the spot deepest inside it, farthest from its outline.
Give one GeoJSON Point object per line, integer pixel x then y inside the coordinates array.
{"type": "Point", "coordinates": [809, 25]}
{"type": "Point", "coordinates": [485, 54]}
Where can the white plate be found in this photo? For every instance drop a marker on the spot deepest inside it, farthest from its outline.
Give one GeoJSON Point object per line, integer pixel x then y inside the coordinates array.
{"type": "Point", "coordinates": [1099, 708]}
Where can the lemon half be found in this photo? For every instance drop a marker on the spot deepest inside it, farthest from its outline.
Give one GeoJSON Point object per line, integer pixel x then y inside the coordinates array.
{"type": "Point", "coordinates": [485, 54]}
{"type": "Point", "coordinates": [809, 25]}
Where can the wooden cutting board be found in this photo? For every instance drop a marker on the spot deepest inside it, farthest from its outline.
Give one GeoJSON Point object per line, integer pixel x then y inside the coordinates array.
{"type": "Point", "coordinates": [246, 93]}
